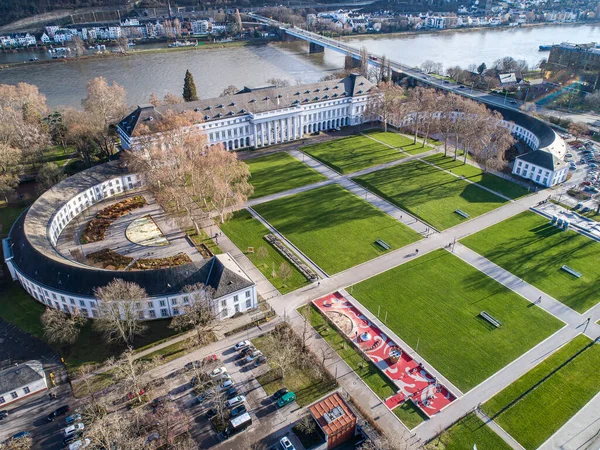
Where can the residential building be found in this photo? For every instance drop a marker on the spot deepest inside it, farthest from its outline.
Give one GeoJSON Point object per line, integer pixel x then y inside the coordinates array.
{"type": "Point", "coordinates": [20, 381]}
{"type": "Point", "coordinates": [201, 27]}
{"type": "Point", "coordinates": [45, 39]}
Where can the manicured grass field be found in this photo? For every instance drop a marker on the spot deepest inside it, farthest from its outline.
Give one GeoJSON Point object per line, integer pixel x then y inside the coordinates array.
{"type": "Point", "coordinates": [367, 371]}
{"type": "Point", "coordinates": [465, 433]}
{"type": "Point", "coordinates": [409, 414]}
{"type": "Point", "coordinates": [245, 231]}
{"type": "Point", "coordinates": [535, 406]}
{"type": "Point", "coordinates": [398, 140]}
{"type": "Point", "coordinates": [430, 193]}
{"type": "Point", "coordinates": [532, 249]}
{"type": "Point", "coordinates": [8, 215]}
{"type": "Point", "coordinates": [335, 228]}
{"type": "Point", "coordinates": [352, 153]}
{"type": "Point", "coordinates": [203, 238]}
{"type": "Point", "coordinates": [476, 175]}
{"type": "Point", "coordinates": [435, 301]}
{"type": "Point", "coordinates": [279, 172]}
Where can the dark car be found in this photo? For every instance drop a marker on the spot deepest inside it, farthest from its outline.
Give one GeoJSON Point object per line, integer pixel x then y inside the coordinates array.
{"type": "Point", "coordinates": [211, 413]}
{"type": "Point", "coordinates": [58, 412]}
{"type": "Point", "coordinates": [280, 393]}
{"type": "Point", "coordinates": [231, 392]}
{"type": "Point", "coordinates": [446, 82]}
{"type": "Point", "coordinates": [70, 439]}
{"type": "Point", "coordinates": [20, 435]}
{"type": "Point", "coordinates": [260, 360]}
{"type": "Point", "coordinates": [3, 414]}
{"type": "Point", "coordinates": [461, 87]}
{"type": "Point", "coordinates": [194, 381]}
{"type": "Point", "coordinates": [238, 410]}
{"type": "Point", "coordinates": [513, 102]}
{"type": "Point", "coordinates": [193, 365]}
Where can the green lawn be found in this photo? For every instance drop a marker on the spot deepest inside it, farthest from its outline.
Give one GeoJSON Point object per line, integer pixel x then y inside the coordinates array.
{"type": "Point", "coordinates": [352, 153]}
{"type": "Point", "coordinates": [409, 414]}
{"type": "Point", "coordinates": [8, 214]}
{"type": "Point", "coordinates": [435, 301]}
{"type": "Point", "coordinates": [367, 371]}
{"type": "Point", "coordinates": [399, 140]}
{"type": "Point", "coordinates": [532, 249]}
{"type": "Point", "coordinates": [430, 193]}
{"type": "Point", "coordinates": [535, 406]}
{"type": "Point", "coordinates": [245, 231]}
{"type": "Point", "coordinates": [279, 172]}
{"type": "Point", "coordinates": [302, 382]}
{"type": "Point", "coordinates": [203, 238]}
{"type": "Point", "coordinates": [466, 433]}
{"type": "Point", "coordinates": [472, 173]}
{"type": "Point", "coordinates": [335, 228]}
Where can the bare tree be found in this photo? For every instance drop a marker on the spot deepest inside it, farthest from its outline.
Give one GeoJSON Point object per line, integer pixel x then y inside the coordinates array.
{"type": "Point", "coordinates": [172, 99]}
{"type": "Point", "coordinates": [282, 347]}
{"type": "Point", "coordinates": [61, 328]}
{"type": "Point", "coordinates": [229, 90]}
{"type": "Point", "coordinates": [48, 175]}
{"type": "Point", "coordinates": [128, 371]}
{"type": "Point", "coordinates": [278, 82]}
{"type": "Point", "coordinates": [170, 422]}
{"type": "Point", "coordinates": [23, 443]}
{"type": "Point", "coordinates": [154, 100]}
{"type": "Point", "coordinates": [364, 61]}
{"type": "Point", "coordinates": [387, 104]}
{"type": "Point", "coordinates": [119, 311]}
{"type": "Point", "coordinates": [122, 44]}
{"type": "Point", "coordinates": [262, 254]}
{"type": "Point", "coordinates": [9, 168]}
{"type": "Point", "coordinates": [284, 272]}
{"type": "Point", "coordinates": [306, 329]}
{"type": "Point", "coordinates": [201, 314]}
{"type": "Point", "coordinates": [77, 45]}
{"type": "Point", "coordinates": [115, 430]}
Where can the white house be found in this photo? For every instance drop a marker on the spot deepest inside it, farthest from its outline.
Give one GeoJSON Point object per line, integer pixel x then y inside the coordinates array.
{"type": "Point", "coordinates": [20, 381]}
{"type": "Point", "coordinates": [200, 27]}
{"type": "Point", "coordinates": [542, 167]}
{"type": "Point", "coordinates": [45, 39]}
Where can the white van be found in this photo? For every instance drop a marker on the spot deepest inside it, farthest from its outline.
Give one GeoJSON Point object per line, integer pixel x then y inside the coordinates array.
{"type": "Point", "coordinates": [82, 443]}
{"type": "Point", "coordinates": [69, 431]}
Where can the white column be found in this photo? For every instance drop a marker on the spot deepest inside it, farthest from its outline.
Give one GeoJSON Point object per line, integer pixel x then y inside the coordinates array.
{"type": "Point", "coordinates": [269, 132]}
{"type": "Point", "coordinates": [281, 134]}
{"type": "Point", "coordinates": [255, 134]}
{"type": "Point", "coordinates": [290, 129]}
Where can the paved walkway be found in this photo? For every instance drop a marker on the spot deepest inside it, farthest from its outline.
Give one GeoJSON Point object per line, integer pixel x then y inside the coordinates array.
{"type": "Point", "coordinates": [499, 430]}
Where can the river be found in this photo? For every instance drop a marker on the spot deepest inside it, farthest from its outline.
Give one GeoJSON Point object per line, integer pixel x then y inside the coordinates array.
{"type": "Point", "coordinates": [215, 69]}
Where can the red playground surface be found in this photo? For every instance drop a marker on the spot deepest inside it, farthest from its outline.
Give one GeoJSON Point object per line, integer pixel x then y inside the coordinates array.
{"type": "Point", "coordinates": [412, 380]}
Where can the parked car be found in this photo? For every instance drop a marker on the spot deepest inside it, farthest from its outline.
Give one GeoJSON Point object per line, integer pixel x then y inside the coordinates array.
{"type": "Point", "coordinates": [260, 360]}
{"type": "Point", "coordinates": [248, 350]}
{"type": "Point", "coordinates": [204, 396]}
{"type": "Point", "coordinates": [20, 435]}
{"type": "Point", "coordinates": [241, 409]}
{"type": "Point", "coordinates": [194, 381]}
{"type": "Point", "coordinates": [242, 345]}
{"type": "Point", "coordinates": [235, 401]}
{"type": "Point", "coordinates": [81, 443]}
{"type": "Point", "coordinates": [225, 386]}
{"type": "Point", "coordinates": [193, 365]}
{"type": "Point", "coordinates": [252, 356]}
{"type": "Point", "coordinates": [512, 102]}
{"type": "Point", "coordinates": [132, 395]}
{"type": "Point", "coordinates": [72, 419]}
{"type": "Point", "coordinates": [286, 444]}
{"type": "Point", "coordinates": [210, 358]}
{"type": "Point", "coordinates": [218, 371]}
{"type": "Point", "coordinates": [586, 183]}
{"type": "Point", "coordinates": [58, 412]}
{"type": "Point", "coordinates": [73, 438]}
{"type": "Point", "coordinates": [3, 414]}
{"type": "Point", "coordinates": [593, 165]}
{"type": "Point", "coordinates": [280, 393]}
{"type": "Point", "coordinates": [569, 155]}
{"type": "Point", "coordinates": [285, 399]}
{"type": "Point", "coordinates": [231, 392]}
{"type": "Point", "coordinates": [73, 429]}
{"type": "Point", "coordinates": [211, 413]}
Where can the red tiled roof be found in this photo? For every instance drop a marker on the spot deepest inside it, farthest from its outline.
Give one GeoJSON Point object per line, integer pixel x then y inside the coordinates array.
{"type": "Point", "coordinates": [318, 410]}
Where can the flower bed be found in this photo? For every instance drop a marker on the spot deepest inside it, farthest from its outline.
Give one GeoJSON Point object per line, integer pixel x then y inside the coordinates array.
{"type": "Point", "coordinates": [160, 263]}
{"type": "Point", "coordinates": [96, 228]}
{"type": "Point", "coordinates": [109, 259]}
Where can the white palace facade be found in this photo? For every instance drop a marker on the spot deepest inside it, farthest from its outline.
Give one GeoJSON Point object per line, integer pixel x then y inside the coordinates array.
{"type": "Point", "coordinates": [264, 116]}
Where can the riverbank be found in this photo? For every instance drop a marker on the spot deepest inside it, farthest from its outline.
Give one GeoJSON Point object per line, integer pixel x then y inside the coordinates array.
{"type": "Point", "coordinates": [462, 30]}
{"type": "Point", "coordinates": [142, 51]}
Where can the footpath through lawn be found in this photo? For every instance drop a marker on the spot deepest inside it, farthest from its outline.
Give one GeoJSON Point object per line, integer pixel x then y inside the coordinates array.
{"type": "Point", "coordinates": [467, 432]}
{"type": "Point", "coordinates": [352, 153]}
{"type": "Point", "coordinates": [430, 193]}
{"type": "Point", "coordinates": [434, 302]}
{"type": "Point", "coordinates": [279, 172]}
{"type": "Point", "coordinates": [334, 228]}
{"type": "Point", "coordinates": [528, 246]}
{"type": "Point", "coordinates": [535, 406]}
{"type": "Point", "coordinates": [246, 231]}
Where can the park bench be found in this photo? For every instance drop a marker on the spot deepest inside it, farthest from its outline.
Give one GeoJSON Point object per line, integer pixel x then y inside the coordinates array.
{"type": "Point", "coordinates": [571, 271]}
{"type": "Point", "coordinates": [462, 213]}
{"type": "Point", "coordinates": [491, 319]}
{"type": "Point", "coordinates": [383, 244]}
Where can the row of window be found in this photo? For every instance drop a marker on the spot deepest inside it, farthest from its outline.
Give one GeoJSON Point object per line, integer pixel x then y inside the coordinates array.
{"type": "Point", "coordinates": [14, 395]}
